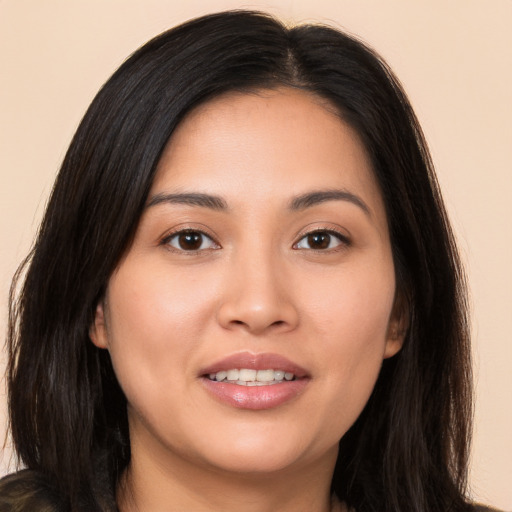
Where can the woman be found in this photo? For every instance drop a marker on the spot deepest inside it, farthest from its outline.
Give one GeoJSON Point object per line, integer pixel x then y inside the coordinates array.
{"type": "Point", "coordinates": [245, 290]}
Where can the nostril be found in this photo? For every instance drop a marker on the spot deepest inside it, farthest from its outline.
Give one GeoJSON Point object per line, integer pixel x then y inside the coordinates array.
{"type": "Point", "coordinates": [256, 316]}
{"type": "Point", "coordinates": [276, 324]}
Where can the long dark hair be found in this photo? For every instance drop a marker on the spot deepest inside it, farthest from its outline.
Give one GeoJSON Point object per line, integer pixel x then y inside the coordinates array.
{"type": "Point", "coordinates": [409, 448]}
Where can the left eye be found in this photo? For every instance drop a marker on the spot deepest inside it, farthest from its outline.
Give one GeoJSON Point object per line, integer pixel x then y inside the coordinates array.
{"type": "Point", "coordinates": [190, 241]}
{"type": "Point", "coordinates": [321, 240]}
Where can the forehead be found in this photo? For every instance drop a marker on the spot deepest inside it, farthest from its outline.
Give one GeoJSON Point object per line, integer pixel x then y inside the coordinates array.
{"type": "Point", "coordinates": [262, 142]}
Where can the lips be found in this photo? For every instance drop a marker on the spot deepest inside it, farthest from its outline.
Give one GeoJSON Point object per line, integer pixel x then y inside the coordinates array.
{"type": "Point", "coordinates": [256, 362]}
{"type": "Point", "coordinates": [239, 395]}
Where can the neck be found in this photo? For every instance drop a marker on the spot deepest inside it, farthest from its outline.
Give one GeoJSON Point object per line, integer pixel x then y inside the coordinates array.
{"type": "Point", "coordinates": [175, 484]}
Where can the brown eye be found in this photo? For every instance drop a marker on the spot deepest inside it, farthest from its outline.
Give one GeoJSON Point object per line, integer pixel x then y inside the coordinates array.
{"type": "Point", "coordinates": [321, 240]}
{"type": "Point", "coordinates": [190, 241]}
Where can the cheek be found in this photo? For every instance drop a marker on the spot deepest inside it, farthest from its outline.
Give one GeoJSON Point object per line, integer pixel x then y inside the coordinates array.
{"type": "Point", "coordinates": [156, 304]}
{"type": "Point", "coordinates": [352, 309]}
{"type": "Point", "coordinates": [155, 325]}
{"type": "Point", "coordinates": [351, 319]}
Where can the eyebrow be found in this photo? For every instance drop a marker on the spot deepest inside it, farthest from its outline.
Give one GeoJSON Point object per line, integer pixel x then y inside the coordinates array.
{"type": "Point", "coordinates": [321, 196]}
{"type": "Point", "coordinates": [297, 203]}
{"type": "Point", "coordinates": [191, 199]}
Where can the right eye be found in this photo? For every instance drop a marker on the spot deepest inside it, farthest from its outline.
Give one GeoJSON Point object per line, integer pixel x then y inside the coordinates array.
{"type": "Point", "coordinates": [190, 240]}
{"type": "Point", "coordinates": [322, 240]}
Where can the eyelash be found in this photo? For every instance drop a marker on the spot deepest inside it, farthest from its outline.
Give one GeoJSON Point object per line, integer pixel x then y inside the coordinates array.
{"type": "Point", "coordinates": [189, 231]}
{"type": "Point", "coordinates": [343, 240]}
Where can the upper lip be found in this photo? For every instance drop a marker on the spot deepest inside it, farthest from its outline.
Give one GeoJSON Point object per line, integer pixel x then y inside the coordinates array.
{"type": "Point", "coordinates": [263, 361]}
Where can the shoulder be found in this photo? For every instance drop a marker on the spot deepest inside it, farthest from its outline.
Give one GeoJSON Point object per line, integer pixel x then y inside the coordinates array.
{"type": "Point", "coordinates": [28, 491]}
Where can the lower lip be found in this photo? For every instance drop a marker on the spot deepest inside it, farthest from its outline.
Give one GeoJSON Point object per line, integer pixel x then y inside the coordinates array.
{"type": "Point", "coordinates": [255, 397]}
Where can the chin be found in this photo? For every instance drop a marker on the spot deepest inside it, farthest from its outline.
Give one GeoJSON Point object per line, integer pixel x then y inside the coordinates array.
{"type": "Point", "coordinates": [254, 463]}
{"type": "Point", "coordinates": [260, 454]}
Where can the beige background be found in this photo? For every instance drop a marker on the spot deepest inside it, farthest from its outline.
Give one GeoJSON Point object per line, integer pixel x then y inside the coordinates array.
{"type": "Point", "coordinates": [454, 58]}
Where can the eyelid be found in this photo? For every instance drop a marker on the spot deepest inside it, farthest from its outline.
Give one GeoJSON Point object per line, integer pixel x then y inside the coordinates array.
{"type": "Point", "coordinates": [343, 238]}
{"type": "Point", "coordinates": [187, 228]}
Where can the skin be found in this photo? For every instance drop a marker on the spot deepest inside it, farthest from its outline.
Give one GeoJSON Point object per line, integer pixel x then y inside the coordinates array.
{"type": "Point", "coordinates": [255, 284]}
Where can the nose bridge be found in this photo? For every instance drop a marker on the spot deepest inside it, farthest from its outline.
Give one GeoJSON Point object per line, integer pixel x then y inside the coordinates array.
{"type": "Point", "coordinates": [256, 298]}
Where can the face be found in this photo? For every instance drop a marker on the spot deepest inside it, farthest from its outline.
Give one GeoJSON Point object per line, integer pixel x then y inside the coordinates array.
{"type": "Point", "coordinates": [264, 247]}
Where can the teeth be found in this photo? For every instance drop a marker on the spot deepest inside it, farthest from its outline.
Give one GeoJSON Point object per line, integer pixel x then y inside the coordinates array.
{"type": "Point", "coordinates": [265, 375]}
{"type": "Point", "coordinates": [246, 377]}
{"type": "Point", "coordinates": [233, 375]}
{"type": "Point", "coordinates": [278, 375]}
{"type": "Point", "coordinates": [221, 376]}
{"type": "Point", "coordinates": [254, 383]}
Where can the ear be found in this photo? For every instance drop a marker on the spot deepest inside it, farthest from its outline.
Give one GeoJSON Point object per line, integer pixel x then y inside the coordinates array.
{"type": "Point", "coordinates": [397, 327]}
{"type": "Point", "coordinates": [98, 329]}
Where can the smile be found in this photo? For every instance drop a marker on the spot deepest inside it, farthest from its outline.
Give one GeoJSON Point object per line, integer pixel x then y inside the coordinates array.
{"type": "Point", "coordinates": [249, 377]}
{"type": "Point", "coordinates": [254, 381]}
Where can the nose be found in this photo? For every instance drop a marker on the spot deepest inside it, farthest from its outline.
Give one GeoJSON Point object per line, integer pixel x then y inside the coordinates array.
{"type": "Point", "coordinates": [257, 297]}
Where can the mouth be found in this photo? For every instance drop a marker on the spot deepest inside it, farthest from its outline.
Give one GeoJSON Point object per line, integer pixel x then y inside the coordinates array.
{"type": "Point", "coordinates": [254, 381]}
{"type": "Point", "coordinates": [249, 377]}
